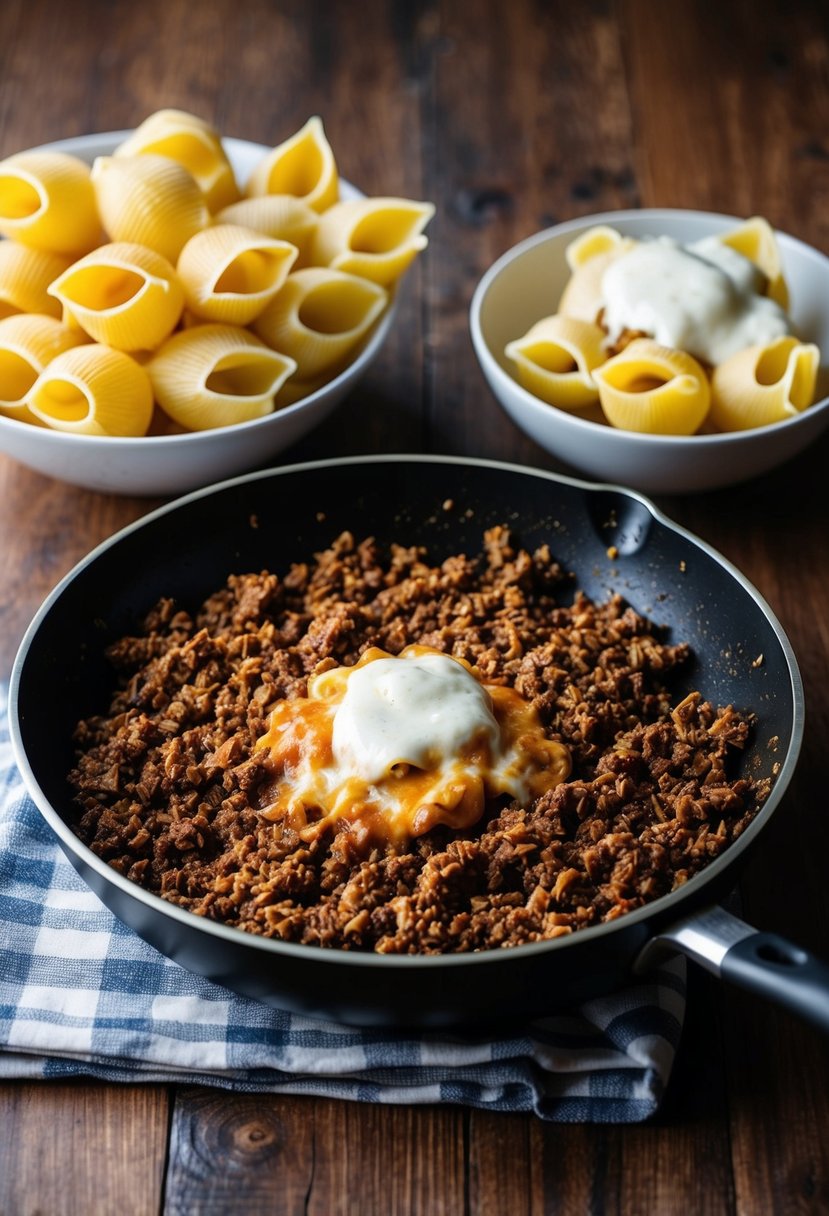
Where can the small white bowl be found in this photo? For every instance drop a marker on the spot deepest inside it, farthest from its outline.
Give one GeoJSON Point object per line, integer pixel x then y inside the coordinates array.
{"type": "Point", "coordinates": [525, 284]}
{"type": "Point", "coordinates": [173, 464]}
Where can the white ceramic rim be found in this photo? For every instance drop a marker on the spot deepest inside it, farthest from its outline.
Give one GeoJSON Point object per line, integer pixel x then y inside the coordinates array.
{"type": "Point", "coordinates": [585, 426]}
{"type": "Point", "coordinates": [89, 146]}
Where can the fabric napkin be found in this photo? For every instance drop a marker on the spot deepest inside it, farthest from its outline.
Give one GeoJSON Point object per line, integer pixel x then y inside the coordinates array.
{"type": "Point", "coordinates": [82, 995]}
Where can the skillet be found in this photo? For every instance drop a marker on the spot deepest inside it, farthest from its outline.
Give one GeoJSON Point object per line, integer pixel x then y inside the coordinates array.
{"type": "Point", "coordinates": [611, 538]}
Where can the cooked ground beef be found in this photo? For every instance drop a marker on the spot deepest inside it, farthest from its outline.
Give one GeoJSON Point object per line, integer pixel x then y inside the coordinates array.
{"type": "Point", "coordinates": [167, 783]}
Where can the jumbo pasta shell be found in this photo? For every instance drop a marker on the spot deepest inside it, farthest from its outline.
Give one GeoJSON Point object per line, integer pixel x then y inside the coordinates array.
{"type": "Point", "coordinates": [376, 238]}
{"type": "Point", "coordinates": [280, 216]}
{"type": "Point", "coordinates": [319, 318]}
{"type": "Point", "coordinates": [764, 384]}
{"type": "Point", "coordinates": [582, 297]}
{"type": "Point", "coordinates": [230, 273]}
{"type": "Point", "coordinates": [216, 375]}
{"type": "Point", "coordinates": [47, 201]}
{"type": "Point", "coordinates": [555, 359]}
{"type": "Point", "coordinates": [149, 200]}
{"type": "Point", "coordinates": [25, 275]}
{"type": "Point", "coordinates": [93, 390]}
{"type": "Point", "coordinates": [294, 390]}
{"type": "Point", "coordinates": [28, 343]}
{"type": "Point", "coordinates": [303, 166]}
{"type": "Point", "coordinates": [124, 295]}
{"type": "Point", "coordinates": [653, 389]}
{"type": "Point", "coordinates": [755, 240]}
{"type": "Point", "coordinates": [191, 142]}
{"type": "Point", "coordinates": [596, 240]}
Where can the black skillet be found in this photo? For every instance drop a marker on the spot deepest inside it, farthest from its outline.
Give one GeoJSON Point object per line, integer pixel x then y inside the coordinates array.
{"type": "Point", "coordinates": [267, 520]}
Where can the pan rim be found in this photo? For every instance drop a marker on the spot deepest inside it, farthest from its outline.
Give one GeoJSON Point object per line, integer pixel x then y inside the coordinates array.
{"type": "Point", "coordinates": [658, 908]}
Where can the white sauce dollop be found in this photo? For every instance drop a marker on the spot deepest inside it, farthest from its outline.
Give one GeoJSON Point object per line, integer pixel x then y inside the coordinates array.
{"type": "Point", "coordinates": [410, 711]}
{"type": "Point", "coordinates": [701, 298]}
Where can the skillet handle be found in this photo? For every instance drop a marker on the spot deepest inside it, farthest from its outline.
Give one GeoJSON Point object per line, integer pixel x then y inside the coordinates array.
{"type": "Point", "coordinates": [760, 962]}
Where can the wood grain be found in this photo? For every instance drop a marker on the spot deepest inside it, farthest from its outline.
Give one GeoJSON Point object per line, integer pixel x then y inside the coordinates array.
{"type": "Point", "coordinates": [76, 1147]}
{"type": "Point", "coordinates": [292, 1155]}
{"type": "Point", "coordinates": [45, 528]}
{"type": "Point", "coordinates": [511, 118]}
{"type": "Point", "coordinates": [242, 1153]}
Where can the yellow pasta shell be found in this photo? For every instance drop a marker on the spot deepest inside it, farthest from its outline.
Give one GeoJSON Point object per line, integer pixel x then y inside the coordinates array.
{"type": "Point", "coordinates": [230, 273]}
{"type": "Point", "coordinates": [555, 358]}
{"type": "Point", "coordinates": [216, 375]}
{"type": "Point", "coordinates": [25, 275]}
{"type": "Point", "coordinates": [192, 143]}
{"type": "Point", "coordinates": [47, 201]}
{"type": "Point", "coordinates": [319, 318]}
{"type": "Point", "coordinates": [654, 390]}
{"type": "Point", "coordinates": [28, 342]}
{"type": "Point", "coordinates": [375, 238]}
{"type": "Point", "coordinates": [599, 239]}
{"type": "Point", "coordinates": [149, 200]}
{"type": "Point", "coordinates": [755, 240]}
{"type": "Point", "coordinates": [303, 165]}
{"type": "Point", "coordinates": [124, 295]}
{"type": "Point", "coordinates": [280, 216]}
{"type": "Point", "coordinates": [582, 297]}
{"type": "Point", "coordinates": [764, 384]}
{"type": "Point", "coordinates": [93, 390]}
{"type": "Point", "coordinates": [294, 390]}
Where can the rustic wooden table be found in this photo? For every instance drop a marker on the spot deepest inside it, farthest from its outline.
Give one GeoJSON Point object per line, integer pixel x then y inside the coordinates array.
{"type": "Point", "coordinates": [510, 117]}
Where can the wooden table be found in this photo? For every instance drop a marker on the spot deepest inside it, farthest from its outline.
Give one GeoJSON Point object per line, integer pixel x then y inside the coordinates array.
{"type": "Point", "coordinates": [510, 117]}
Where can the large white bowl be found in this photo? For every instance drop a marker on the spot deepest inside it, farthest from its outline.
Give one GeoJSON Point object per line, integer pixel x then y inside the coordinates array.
{"type": "Point", "coordinates": [172, 464]}
{"type": "Point", "coordinates": [525, 284]}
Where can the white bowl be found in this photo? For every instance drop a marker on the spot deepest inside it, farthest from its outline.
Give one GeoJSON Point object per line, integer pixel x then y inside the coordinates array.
{"type": "Point", "coordinates": [525, 284]}
{"type": "Point", "coordinates": [172, 464]}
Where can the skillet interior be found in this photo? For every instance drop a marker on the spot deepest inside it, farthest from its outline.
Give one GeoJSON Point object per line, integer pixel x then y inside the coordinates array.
{"type": "Point", "coordinates": [611, 539]}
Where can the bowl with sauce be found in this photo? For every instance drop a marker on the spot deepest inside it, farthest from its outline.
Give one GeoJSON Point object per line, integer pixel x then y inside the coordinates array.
{"type": "Point", "coordinates": [671, 339]}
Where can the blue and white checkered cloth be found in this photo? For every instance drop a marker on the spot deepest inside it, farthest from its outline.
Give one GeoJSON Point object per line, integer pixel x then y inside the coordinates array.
{"type": "Point", "coordinates": [81, 994]}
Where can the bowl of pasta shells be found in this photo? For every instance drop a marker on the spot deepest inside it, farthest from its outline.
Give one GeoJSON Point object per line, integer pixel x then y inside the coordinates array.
{"type": "Point", "coordinates": [177, 306]}
{"type": "Point", "coordinates": [672, 351]}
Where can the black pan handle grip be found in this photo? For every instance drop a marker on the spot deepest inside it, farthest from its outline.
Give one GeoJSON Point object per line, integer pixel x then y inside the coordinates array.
{"type": "Point", "coordinates": [779, 971]}
{"type": "Point", "coordinates": [760, 962]}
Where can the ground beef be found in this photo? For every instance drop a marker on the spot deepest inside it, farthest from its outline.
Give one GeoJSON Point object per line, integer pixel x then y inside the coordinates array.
{"type": "Point", "coordinates": [167, 783]}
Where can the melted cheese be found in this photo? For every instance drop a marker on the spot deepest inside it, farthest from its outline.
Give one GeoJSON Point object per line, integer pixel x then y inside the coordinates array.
{"type": "Point", "coordinates": [396, 745]}
{"type": "Point", "coordinates": [702, 299]}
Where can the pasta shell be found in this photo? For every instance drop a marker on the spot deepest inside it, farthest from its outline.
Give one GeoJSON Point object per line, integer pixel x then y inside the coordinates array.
{"type": "Point", "coordinates": [375, 238]}
{"type": "Point", "coordinates": [93, 390]}
{"type": "Point", "coordinates": [192, 143]}
{"type": "Point", "coordinates": [599, 239]}
{"type": "Point", "coordinates": [764, 384]}
{"type": "Point", "coordinates": [280, 216]}
{"type": "Point", "coordinates": [216, 375]}
{"type": "Point", "coordinates": [27, 344]}
{"type": "Point", "coordinates": [555, 358]}
{"type": "Point", "coordinates": [47, 202]}
{"type": "Point", "coordinates": [319, 317]}
{"type": "Point", "coordinates": [582, 298]}
{"type": "Point", "coordinates": [230, 273]}
{"type": "Point", "coordinates": [303, 166]}
{"type": "Point", "coordinates": [25, 275]}
{"type": "Point", "coordinates": [294, 390]}
{"type": "Point", "coordinates": [756, 241]}
{"type": "Point", "coordinates": [149, 200]}
{"type": "Point", "coordinates": [654, 390]}
{"type": "Point", "coordinates": [124, 295]}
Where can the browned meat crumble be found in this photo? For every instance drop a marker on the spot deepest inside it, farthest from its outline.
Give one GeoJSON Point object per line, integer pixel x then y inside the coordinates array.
{"type": "Point", "coordinates": [167, 783]}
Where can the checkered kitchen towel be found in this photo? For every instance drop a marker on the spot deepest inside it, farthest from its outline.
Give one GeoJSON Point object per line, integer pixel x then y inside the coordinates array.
{"type": "Point", "coordinates": [81, 994]}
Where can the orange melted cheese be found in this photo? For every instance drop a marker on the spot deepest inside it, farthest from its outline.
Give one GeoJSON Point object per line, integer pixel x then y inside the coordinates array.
{"type": "Point", "coordinates": [397, 745]}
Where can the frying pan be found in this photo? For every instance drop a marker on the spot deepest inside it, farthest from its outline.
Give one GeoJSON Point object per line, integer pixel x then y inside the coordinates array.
{"type": "Point", "coordinates": [269, 519]}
